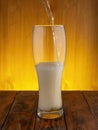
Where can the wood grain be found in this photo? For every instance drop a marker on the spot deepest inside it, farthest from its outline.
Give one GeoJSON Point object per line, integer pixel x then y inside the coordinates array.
{"type": "Point", "coordinates": [6, 101]}
{"type": "Point", "coordinates": [77, 112]}
{"type": "Point", "coordinates": [22, 111]}
{"type": "Point", "coordinates": [80, 18]}
{"type": "Point", "coordinates": [92, 100]}
{"type": "Point", "coordinates": [18, 111]}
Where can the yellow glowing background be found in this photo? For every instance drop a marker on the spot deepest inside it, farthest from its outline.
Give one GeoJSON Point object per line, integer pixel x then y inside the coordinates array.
{"type": "Point", "coordinates": [80, 17]}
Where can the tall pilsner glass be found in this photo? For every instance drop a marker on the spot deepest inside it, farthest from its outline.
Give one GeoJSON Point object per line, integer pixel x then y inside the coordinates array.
{"type": "Point", "coordinates": [49, 55]}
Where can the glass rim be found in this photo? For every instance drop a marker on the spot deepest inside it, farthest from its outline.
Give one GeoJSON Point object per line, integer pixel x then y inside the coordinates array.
{"type": "Point", "coordinates": [55, 25]}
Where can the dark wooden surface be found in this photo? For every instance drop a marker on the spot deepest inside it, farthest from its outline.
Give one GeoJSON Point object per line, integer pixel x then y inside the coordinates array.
{"type": "Point", "coordinates": [18, 111]}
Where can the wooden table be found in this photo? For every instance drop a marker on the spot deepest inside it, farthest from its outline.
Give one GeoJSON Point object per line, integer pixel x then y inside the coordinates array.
{"type": "Point", "coordinates": [18, 111]}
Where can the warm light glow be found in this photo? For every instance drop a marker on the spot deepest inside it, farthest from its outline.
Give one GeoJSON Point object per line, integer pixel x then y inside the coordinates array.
{"type": "Point", "coordinates": [17, 71]}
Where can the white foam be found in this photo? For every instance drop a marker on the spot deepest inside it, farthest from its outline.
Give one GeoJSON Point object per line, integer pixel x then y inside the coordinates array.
{"type": "Point", "coordinates": [49, 77]}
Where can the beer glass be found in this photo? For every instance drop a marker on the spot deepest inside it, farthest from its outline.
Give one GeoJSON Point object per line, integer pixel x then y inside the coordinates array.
{"type": "Point", "coordinates": [49, 44]}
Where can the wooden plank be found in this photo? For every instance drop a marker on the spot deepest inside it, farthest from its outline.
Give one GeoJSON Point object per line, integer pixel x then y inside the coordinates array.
{"type": "Point", "coordinates": [77, 113]}
{"type": "Point", "coordinates": [23, 109]}
{"type": "Point", "coordinates": [6, 101]}
{"type": "Point", "coordinates": [92, 100]}
{"type": "Point", "coordinates": [77, 107]}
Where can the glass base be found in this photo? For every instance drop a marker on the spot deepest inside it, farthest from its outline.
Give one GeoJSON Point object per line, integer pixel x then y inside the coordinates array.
{"type": "Point", "coordinates": [50, 114]}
